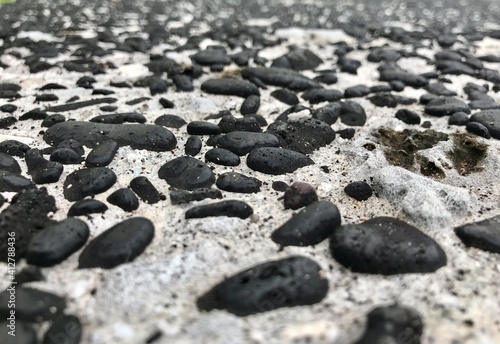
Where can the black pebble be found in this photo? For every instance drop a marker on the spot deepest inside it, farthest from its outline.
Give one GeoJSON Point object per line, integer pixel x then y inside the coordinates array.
{"type": "Point", "coordinates": [229, 123]}
{"type": "Point", "coordinates": [187, 173]}
{"type": "Point", "coordinates": [202, 128]}
{"type": "Point", "coordinates": [229, 208]}
{"type": "Point", "coordinates": [289, 282]}
{"type": "Point", "coordinates": [54, 244]}
{"type": "Point", "coordinates": [360, 191]}
{"type": "Point", "coordinates": [82, 104]}
{"type": "Point", "coordinates": [397, 86]}
{"type": "Point", "coordinates": [327, 78]}
{"type": "Point", "coordinates": [280, 186]}
{"type": "Point", "coordinates": [65, 329]}
{"type": "Point", "coordinates": [86, 207]}
{"type": "Point", "coordinates": [66, 156]}
{"type": "Point", "coordinates": [170, 121]}
{"type": "Point", "coordinates": [353, 114]}
{"type": "Point", "coordinates": [237, 182]}
{"type": "Point", "coordinates": [445, 106]}
{"type": "Point", "coordinates": [458, 118]}
{"type": "Point", "coordinates": [29, 273]}
{"type": "Point", "coordinates": [230, 87]}
{"type": "Point", "coordinates": [357, 91]}
{"type": "Point", "coordinates": [32, 305]}
{"type": "Point", "coordinates": [327, 114]}
{"type": "Point", "coordinates": [193, 145]}
{"type": "Point", "coordinates": [102, 154]}
{"type": "Point", "coordinates": [285, 96]}
{"type": "Point", "coordinates": [243, 142]}
{"type": "Point", "coordinates": [490, 119]}
{"type": "Point", "coordinates": [318, 95]}
{"type": "Point", "coordinates": [184, 196]}
{"type": "Point", "coordinates": [120, 118]}
{"type": "Point", "coordinates": [108, 108]}
{"type": "Point", "coordinates": [387, 246]}
{"type": "Point", "coordinates": [119, 244]}
{"type": "Point", "coordinates": [9, 164]}
{"type": "Point", "coordinates": [125, 199]}
{"type": "Point", "coordinates": [272, 160]}
{"type": "Point", "coordinates": [41, 170]}
{"type": "Point", "coordinates": [167, 104]}
{"type": "Point", "coordinates": [221, 156]}
{"type": "Point", "coordinates": [34, 114]}
{"type": "Point", "coordinates": [8, 108]}
{"type": "Point", "coordinates": [12, 182]}
{"type": "Point", "coordinates": [143, 187]}
{"type": "Point", "coordinates": [46, 97]}
{"type": "Point", "coordinates": [484, 235]}
{"type": "Point", "coordinates": [280, 77]}
{"type": "Point", "coordinates": [426, 124]}
{"type": "Point", "coordinates": [478, 129]}
{"type": "Point", "coordinates": [7, 122]}
{"type": "Point", "coordinates": [384, 100]}
{"type": "Point", "coordinates": [310, 226]}
{"type": "Point", "coordinates": [347, 133]}
{"type": "Point", "coordinates": [408, 116]}
{"type": "Point", "coordinates": [299, 195]}
{"type": "Point", "coordinates": [53, 119]}
{"type": "Point", "coordinates": [183, 82]}
{"type": "Point", "coordinates": [250, 105]}
{"type": "Point", "coordinates": [25, 333]}
{"type": "Point", "coordinates": [88, 182]}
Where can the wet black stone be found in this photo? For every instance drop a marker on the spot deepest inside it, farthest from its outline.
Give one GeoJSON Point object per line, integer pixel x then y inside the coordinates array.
{"type": "Point", "coordinates": [102, 154]}
{"type": "Point", "coordinates": [211, 57]}
{"type": "Point", "coordinates": [359, 190]}
{"type": "Point", "coordinates": [146, 191]}
{"type": "Point", "coordinates": [484, 235]}
{"type": "Point", "coordinates": [243, 142]}
{"type": "Point", "coordinates": [32, 305]}
{"type": "Point", "coordinates": [408, 79]}
{"type": "Point", "coordinates": [445, 106]}
{"type": "Point", "coordinates": [298, 59]}
{"type": "Point", "coordinates": [230, 87]}
{"type": "Point", "coordinates": [34, 114]}
{"type": "Point", "coordinates": [193, 145]}
{"type": "Point", "coordinates": [327, 114]}
{"type": "Point", "coordinates": [490, 119]}
{"type": "Point", "coordinates": [52, 86]}
{"type": "Point", "coordinates": [72, 144]}
{"type": "Point", "coordinates": [108, 108]}
{"type": "Point", "coordinates": [221, 156]}
{"type": "Point", "coordinates": [7, 122]}
{"type": "Point", "coordinates": [272, 160]}
{"type": "Point", "coordinates": [299, 195]}
{"type": "Point", "coordinates": [65, 329]}
{"type": "Point", "coordinates": [478, 129]}
{"type": "Point", "coordinates": [54, 244]}
{"type": "Point", "coordinates": [351, 113]}
{"type": "Point", "coordinates": [25, 333]}
{"type": "Point", "coordinates": [250, 105]}
{"type": "Point", "coordinates": [439, 89]}
{"type": "Point", "coordinates": [393, 324]}
{"type": "Point", "coordinates": [46, 97]}
{"type": "Point", "coordinates": [119, 244]}
{"type": "Point", "coordinates": [304, 135]}
{"type": "Point", "coordinates": [408, 116]}
{"type": "Point", "coordinates": [29, 274]}
{"type": "Point", "coordinates": [120, 118]}
{"type": "Point", "coordinates": [9, 164]}
{"type": "Point", "coordinates": [327, 78]}
{"type": "Point", "coordinates": [454, 67]}
{"type": "Point", "coordinates": [280, 186]}
{"type": "Point", "coordinates": [347, 133]}
{"type": "Point", "coordinates": [167, 104]}
{"type": "Point", "coordinates": [13, 182]}
{"type": "Point", "coordinates": [53, 119]}
{"type": "Point", "coordinates": [397, 86]}
{"type": "Point", "coordinates": [387, 246]}
{"type": "Point", "coordinates": [458, 118]}
{"type": "Point", "coordinates": [66, 156]}
{"type": "Point", "coordinates": [41, 170]}
{"type": "Point", "coordinates": [285, 96]}
{"type": "Point", "coordinates": [125, 199]}
{"type": "Point", "coordinates": [79, 105]}
{"type": "Point", "coordinates": [384, 100]}
{"type": "Point", "coordinates": [187, 173]}
{"type": "Point", "coordinates": [426, 98]}
{"type": "Point", "coordinates": [202, 128]}
{"type": "Point", "coordinates": [357, 91]}
{"type": "Point", "coordinates": [237, 182]}
{"type": "Point", "coordinates": [170, 121]}
{"type": "Point", "coordinates": [281, 77]}
{"type": "Point", "coordinates": [184, 196]}
{"type": "Point", "coordinates": [183, 83]}
{"type": "Point", "coordinates": [88, 182]}
{"type": "Point", "coordinates": [289, 282]}
{"type": "Point", "coordinates": [8, 108]}
{"type": "Point", "coordinates": [318, 95]}
{"type": "Point", "coordinates": [229, 123]}
{"type": "Point", "coordinates": [86, 207]}
{"type": "Point", "coordinates": [137, 136]}
{"type": "Point", "coordinates": [229, 208]}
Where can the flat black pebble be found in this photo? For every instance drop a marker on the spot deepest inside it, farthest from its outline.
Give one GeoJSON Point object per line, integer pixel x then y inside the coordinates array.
{"type": "Point", "coordinates": [184, 196]}
{"type": "Point", "coordinates": [8, 108]}
{"type": "Point", "coordinates": [229, 208]}
{"type": "Point", "coordinates": [387, 246]}
{"type": "Point", "coordinates": [229, 123]}
{"type": "Point", "coordinates": [383, 100]}
{"type": "Point", "coordinates": [250, 105]}
{"type": "Point", "coordinates": [458, 118]}
{"type": "Point", "coordinates": [202, 128]}
{"type": "Point", "coordinates": [86, 207]}
{"type": "Point", "coordinates": [24, 333]}
{"type": "Point", "coordinates": [238, 182]}
{"type": "Point", "coordinates": [146, 191]}
{"type": "Point", "coordinates": [221, 156]}
{"type": "Point", "coordinates": [183, 82]}
{"type": "Point", "coordinates": [310, 226]}
{"type": "Point", "coordinates": [280, 186]}
{"type": "Point", "coordinates": [271, 160]}
{"type": "Point", "coordinates": [54, 244]}
{"type": "Point", "coordinates": [187, 173]}
{"type": "Point", "coordinates": [170, 121]}
{"type": "Point", "coordinates": [119, 244]}
{"type": "Point", "coordinates": [125, 199]}
{"type": "Point", "coordinates": [353, 114]}
{"type": "Point", "coordinates": [230, 87]}
{"type": "Point", "coordinates": [167, 104]}
{"type": "Point", "coordinates": [318, 95]}
{"type": "Point", "coordinates": [288, 282]}
{"type": "Point", "coordinates": [281, 77]}
{"type": "Point", "coordinates": [137, 101]}
{"type": "Point", "coordinates": [66, 156]}
{"type": "Point", "coordinates": [88, 182]}
{"type": "Point", "coordinates": [13, 182]}
{"type": "Point", "coordinates": [65, 329]}
{"type": "Point", "coordinates": [357, 91]}
{"type": "Point", "coordinates": [299, 195]}
{"type": "Point", "coordinates": [53, 119]}
{"type": "Point", "coordinates": [46, 97]}
{"type": "Point", "coordinates": [408, 116]}
{"type": "Point", "coordinates": [102, 154]}
{"type": "Point", "coordinates": [478, 129]}
{"type": "Point", "coordinates": [32, 305]}
{"type": "Point", "coordinates": [41, 170]}
{"type": "Point", "coordinates": [9, 164]}
{"type": "Point", "coordinates": [445, 106]}
{"type": "Point", "coordinates": [484, 235]}
{"type": "Point", "coordinates": [34, 114]}
{"type": "Point", "coordinates": [359, 190]}
{"type": "Point", "coordinates": [285, 96]}
{"type": "Point", "coordinates": [243, 142]}
{"type": "Point", "coordinates": [29, 273]}
{"type": "Point", "coordinates": [193, 145]}
{"type": "Point", "coordinates": [120, 118]}
{"type": "Point", "coordinates": [327, 78]}
{"type": "Point", "coordinates": [347, 133]}
{"type": "Point", "coordinates": [79, 105]}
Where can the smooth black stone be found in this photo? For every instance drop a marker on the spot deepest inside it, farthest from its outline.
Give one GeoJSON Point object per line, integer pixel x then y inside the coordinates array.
{"type": "Point", "coordinates": [304, 135]}
{"type": "Point", "coordinates": [426, 124]}
{"type": "Point", "coordinates": [86, 81]}
{"type": "Point", "coordinates": [9, 164]}
{"type": "Point", "coordinates": [237, 182]}
{"type": "Point", "coordinates": [426, 98]}
{"type": "Point", "coordinates": [384, 100]}
{"type": "Point", "coordinates": [357, 91]}
{"type": "Point", "coordinates": [404, 100]}
{"type": "Point", "coordinates": [490, 119]}
{"type": "Point", "coordinates": [32, 305]}
{"type": "Point", "coordinates": [7, 122]}
{"type": "Point", "coordinates": [285, 96]}
{"type": "Point", "coordinates": [108, 108]}
{"type": "Point", "coordinates": [347, 133]}
{"type": "Point", "coordinates": [445, 106]}
{"type": "Point", "coordinates": [183, 196]}
{"type": "Point", "coordinates": [454, 67]}
{"type": "Point", "coordinates": [484, 235]}
{"type": "Point", "coordinates": [318, 95]}
{"type": "Point", "coordinates": [299, 195]}
{"type": "Point", "coordinates": [298, 59]}
{"type": "Point", "coordinates": [120, 118]}
{"type": "Point", "coordinates": [187, 173]}
{"type": "Point", "coordinates": [46, 97]}
{"type": "Point", "coordinates": [217, 68]}
{"type": "Point", "coordinates": [170, 121]}
{"type": "Point", "coordinates": [229, 208]}
{"type": "Point", "coordinates": [53, 119]}
{"type": "Point", "coordinates": [6, 86]}
{"type": "Point", "coordinates": [393, 324]}
{"type": "Point", "coordinates": [157, 86]}
{"type": "Point", "coordinates": [73, 99]}
{"type": "Point", "coordinates": [137, 136]}
{"type": "Point", "coordinates": [193, 145]}
{"type": "Point", "coordinates": [167, 104]}
{"type": "Point", "coordinates": [54, 244]}
{"type": "Point", "coordinates": [183, 83]}
{"type": "Point", "coordinates": [487, 103]}
{"type": "Point", "coordinates": [327, 114]}
{"type": "Point", "coordinates": [25, 333]}
{"type": "Point", "coordinates": [88, 182]}
{"type": "Point", "coordinates": [348, 65]}
{"type": "Point", "coordinates": [145, 190]}
{"type": "Point", "coordinates": [351, 113]}
{"type": "Point", "coordinates": [86, 207]}
{"type": "Point", "coordinates": [229, 123]}
{"type": "Point", "coordinates": [82, 104]}
{"type": "Point", "coordinates": [8, 108]}
{"type": "Point", "coordinates": [397, 86]}
{"type": "Point", "coordinates": [41, 170]}
{"type": "Point", "coordinates": [359, 190]}
{"type": "Point", "coordinates": [281, 77]}
{"type": "Point", "coordinates": [408, 116]}
{"type": "Point", "coordinates": [13, 182]}
{"type": "Point", "coordinates": [230, 87]}
{"type": "Point", "coordinates": [202, 128]}
{"type": "Point", "coordinates": [478, 129]}
{"type": "Point", "coordinates": [211, 57]}
{"type": "Point", "coordinates": [73, 145]}
{"type": "Point", "coordinates": [102, 154]}
{"type": "Point", "coordinates": [103, 92]}
{"type": "Point", "coordinates": [66, 156]}
{"type": "Point", "coordinates": [9, 95]}
{"type": "Point", "coordinates": [272, 160]}
{"type": "Point", "coordinates": [280, 186]}
{"type": "Point", "coordinates": [221, 156]}
{"type": "Point", "coordinates": [250, 105]}
{"type": "Point", "coordinates": [327, 78]}
{"type": "Point", "coordinates": [439, 89]}
{"type": "Point", "coordinates": [65, 329]}
{"type": "Point", "coordinates": [310, 226]}
{"type": "Point", "coordinates": [243, 142]}
{"type": "Point", "coordinates": [119, 244]}
{"type": "Point", "coordinates": [289, 282]}
{"type": "Point", "coordinates": [387, 246]}
{"type": "Point", "coordinates": [29, 274]}
{"type": "Point", "coordinates": [125, 199]}
{"type": "Point", "coordinates": [458, 118]}
{"type": "Point", "coordinates": [412, 80]}
{"type": "Point", "coordinates": [383, 54]}
{"type": "Point", "coordinates": [34, 114]}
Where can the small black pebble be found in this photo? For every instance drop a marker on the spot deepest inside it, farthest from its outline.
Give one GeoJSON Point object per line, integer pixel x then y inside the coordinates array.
{"type": "Point", "coordinates": [360, 191]}
{"type": "Point", "coordinates": [478, 129]}
{"type": "Point", "coordinates": [143, 187]}
{"type": "Point", "coordinates": [193, 145]}
{"type": "Point", "coordinates": [125, 199]}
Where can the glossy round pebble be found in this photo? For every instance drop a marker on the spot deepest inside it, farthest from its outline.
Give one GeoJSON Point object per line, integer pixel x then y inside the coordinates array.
{"type": "Point", "coordinates": [358, 190]}
{"type": "Point", "coordinates": [125, 199]}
